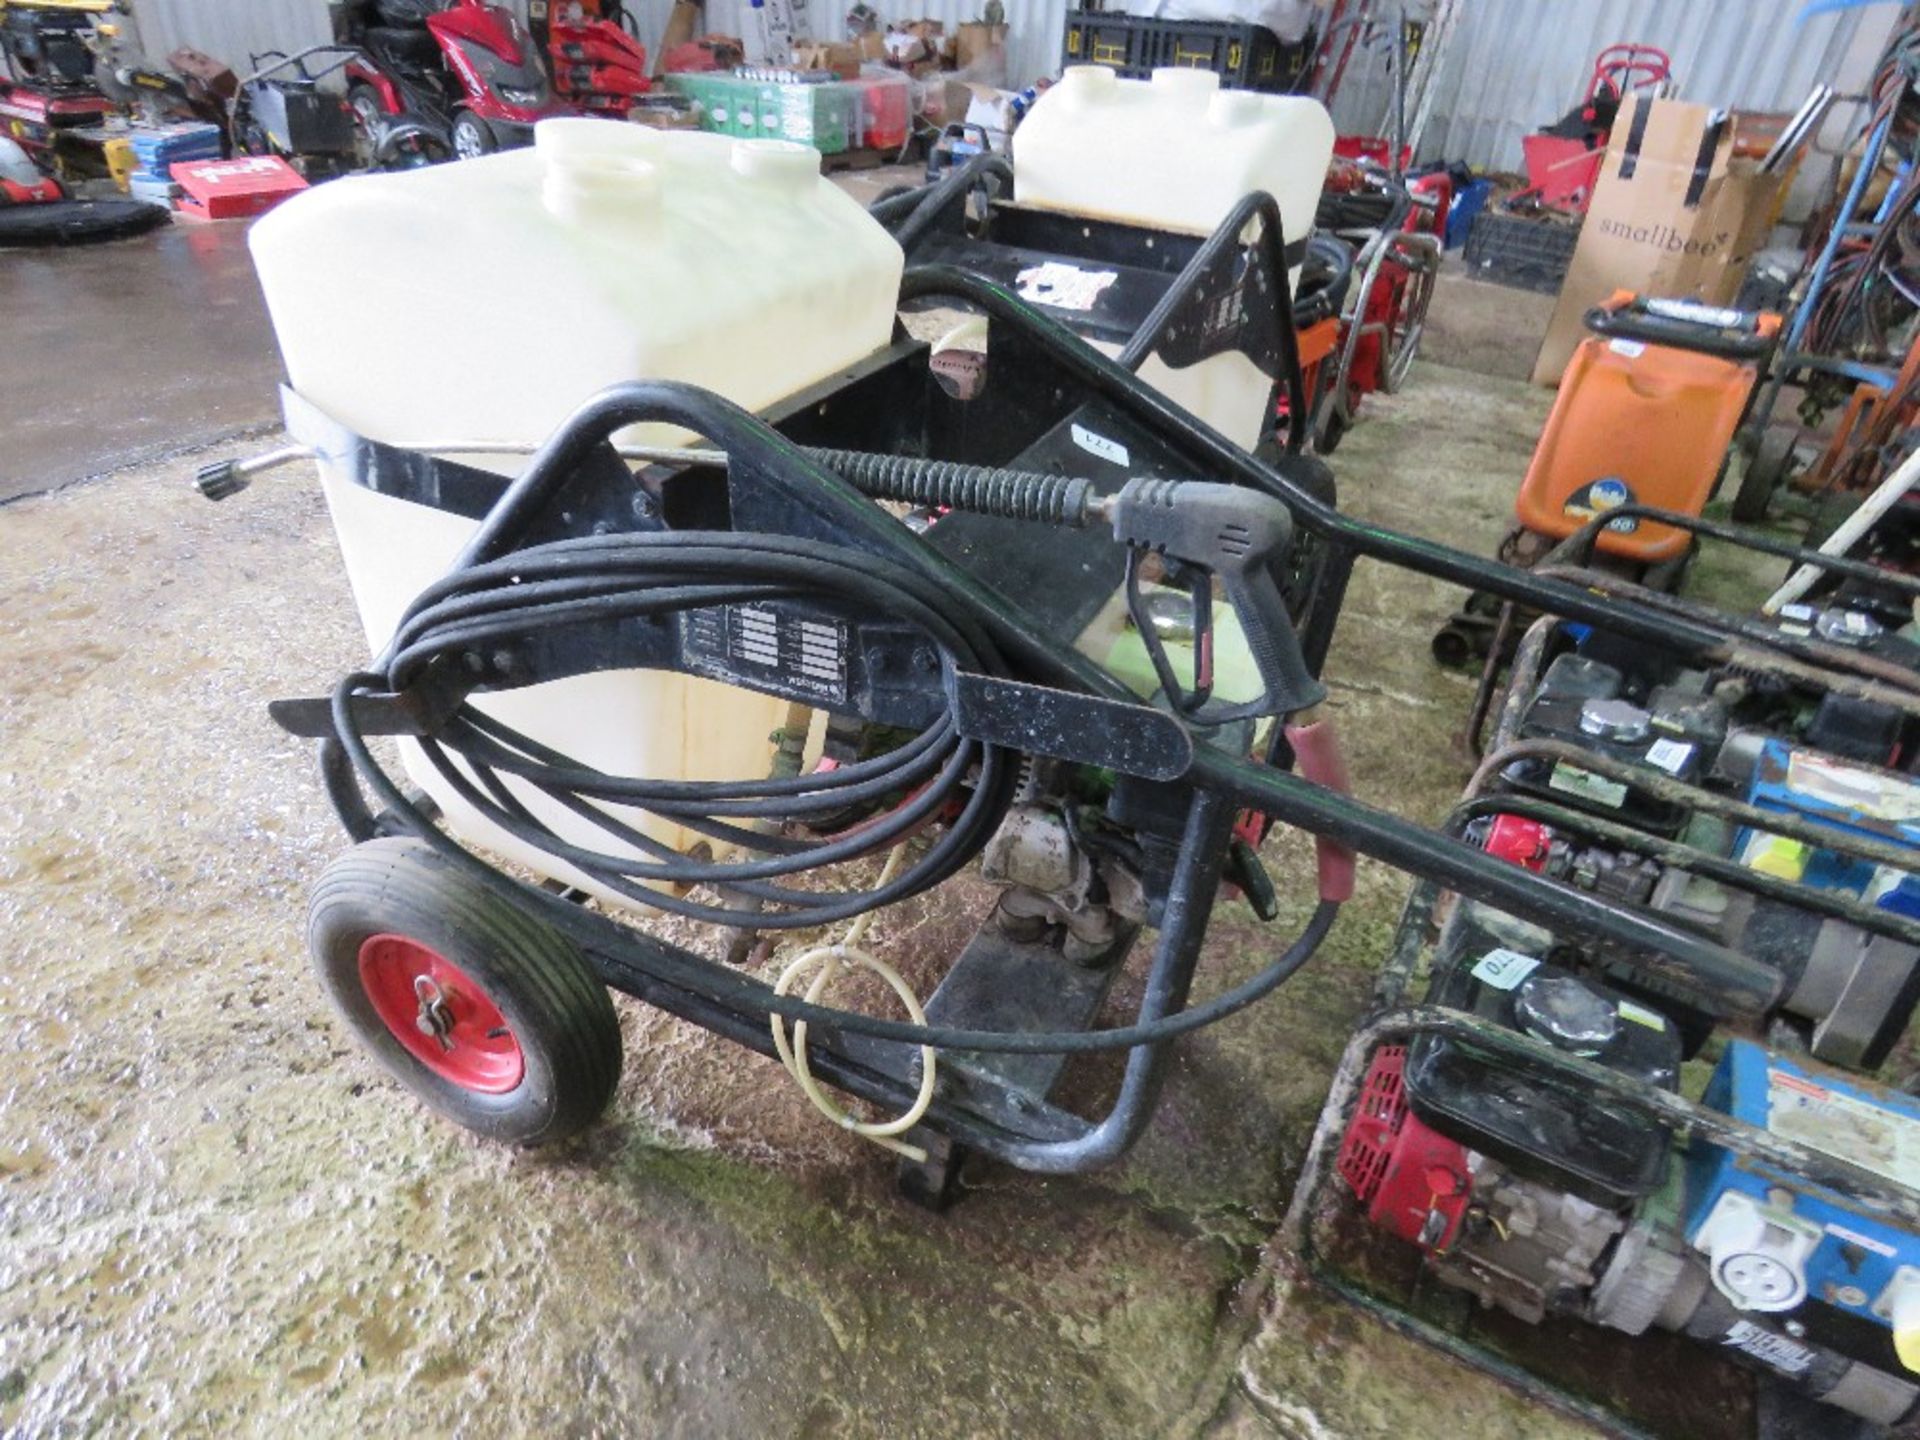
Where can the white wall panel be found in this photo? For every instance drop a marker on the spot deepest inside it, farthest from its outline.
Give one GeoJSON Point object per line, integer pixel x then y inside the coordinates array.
{"type": "Point", "coordinates": [1515, 65]}
{"type": "Point", "coordinates": [230, 30]}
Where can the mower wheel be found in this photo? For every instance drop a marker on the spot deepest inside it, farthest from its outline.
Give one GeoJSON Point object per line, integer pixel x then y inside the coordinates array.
{"type": "Point", "coordinates": [78, 222]}
{"type": "Point", "coordinates": [1329, 429]}
{"type": "Point", "coordinates": [1454, 647]}
{"type": "Point", "coordinates": [1307, 561]}
{"type": "Point", "coordinates": [368, 116]}
{"type": "Point", "coordinates": [1767, 470]}
{"type": "Point", "coordinates": [482, 1010]}
{"type": "Point", "coordinates": [472, 136]}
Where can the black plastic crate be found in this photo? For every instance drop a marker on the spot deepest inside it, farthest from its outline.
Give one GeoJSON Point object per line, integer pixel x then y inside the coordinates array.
{"type": "Point", "coordinates": [1523, 251]}
{"type": "Point", "coordinates": [1245, 57]}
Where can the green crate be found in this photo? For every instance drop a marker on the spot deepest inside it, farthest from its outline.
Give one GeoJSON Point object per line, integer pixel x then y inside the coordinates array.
{"type": "Point", "coordinates": [824, 115]}
{"type": "Point", "coordinates": [720, 98]}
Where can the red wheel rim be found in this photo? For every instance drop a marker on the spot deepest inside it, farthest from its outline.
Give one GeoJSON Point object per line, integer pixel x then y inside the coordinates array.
{"type": "Point", "coordinates": [440, 1014]}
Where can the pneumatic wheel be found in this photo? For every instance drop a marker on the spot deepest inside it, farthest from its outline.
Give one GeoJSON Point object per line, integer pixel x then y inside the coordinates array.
{"type": "Point", "coordinates": [1306, 562]}
{"type": "Point", "coordinates": [489, 1015]}
{"type": "Point", "coordinates": [1768, 468]}
{"type": "Point", "coordinates": [472, 136]}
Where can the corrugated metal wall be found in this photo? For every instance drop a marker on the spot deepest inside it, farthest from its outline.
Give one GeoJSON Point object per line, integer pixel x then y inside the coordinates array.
{"type": "Point", "coordinates": [230, 30]}
{"type": "Point", "coordinates": [1515, 65]}
{"type": "Point", "coordinates": [1033, 42]}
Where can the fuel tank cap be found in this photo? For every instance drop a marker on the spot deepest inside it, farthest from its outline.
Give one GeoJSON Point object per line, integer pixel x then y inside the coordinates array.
{"type": "Point", "coordinates": [1614, 720]}
{"type": "Point", "coordinates": [1566, 1014]}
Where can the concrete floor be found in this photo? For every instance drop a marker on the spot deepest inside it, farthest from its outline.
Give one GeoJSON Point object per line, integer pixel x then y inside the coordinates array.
{"type": "Point", "coordinates": [216, 1215]}
{"type": "Point", "coordinates": [126, 351]}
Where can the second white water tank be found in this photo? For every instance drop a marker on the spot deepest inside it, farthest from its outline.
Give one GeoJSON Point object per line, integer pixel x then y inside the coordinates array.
{"type": "Point", "coordinates": [1177, 153]}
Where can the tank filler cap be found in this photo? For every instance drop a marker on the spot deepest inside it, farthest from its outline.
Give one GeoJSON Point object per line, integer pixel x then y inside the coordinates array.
{"type": "Point", "coordinates": [1566, 1014]}
{"type": "Point", "coordinates": [1187, 82]}
{"type": "Point", "coordinates": [1757, 1253]}
{"type": "Point", "coordinates": [783, 163]}
{"type": "Point", "coordinates": [1086, 82]}
{"type": "Point", "coordinates": [586, 174]}
{"type": "Point", "coordinates": [1619, 720]}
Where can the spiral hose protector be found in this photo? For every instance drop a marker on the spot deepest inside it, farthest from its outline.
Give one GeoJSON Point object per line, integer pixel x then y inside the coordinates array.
{"type": "Point", "coordinates": [977, 489]}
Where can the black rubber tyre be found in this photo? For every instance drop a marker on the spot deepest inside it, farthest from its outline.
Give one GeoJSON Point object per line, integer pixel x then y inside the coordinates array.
{"type": "Point", "coordinates": [1454, 647]}
{"type": "Point", "coordinates": [364, 101]}
{"type": "Point", "coordinates": [472, 137]}
{"type": "Point", "coordinates": [558, 1012]}
{"type": "Point", "coordinates": [1329, 429]}
{"type": "Point", "coordinates": [1307, 561]}
{"type": "Point", "coordinates": [78, 222]}
{"type": "Point", "coordinates": [1767, 470]}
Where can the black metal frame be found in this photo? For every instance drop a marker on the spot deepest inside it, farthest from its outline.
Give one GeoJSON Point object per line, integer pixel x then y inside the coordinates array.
{"type": "Point", "coordinates": [1181, 296]}
{"type": "Point", "coordinates": [1044, 374]}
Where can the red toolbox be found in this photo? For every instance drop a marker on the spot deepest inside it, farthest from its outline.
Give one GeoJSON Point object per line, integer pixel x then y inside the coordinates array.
{"type": "Point", "coordinates": [235, 189]}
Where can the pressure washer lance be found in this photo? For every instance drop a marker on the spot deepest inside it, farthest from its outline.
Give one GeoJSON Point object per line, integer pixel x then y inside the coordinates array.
{"type": "Point", "coordinates": [1201, 530]}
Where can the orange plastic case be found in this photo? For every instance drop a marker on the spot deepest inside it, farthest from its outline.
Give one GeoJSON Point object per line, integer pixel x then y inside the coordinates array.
{"type": "Point", "coordinates": [1634, 422]}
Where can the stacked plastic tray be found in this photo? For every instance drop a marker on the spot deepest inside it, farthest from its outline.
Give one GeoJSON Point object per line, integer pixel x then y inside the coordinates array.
{"type": "Point", "coordinates": [158, 148]}
{"type": "Point", "coordinates": [830, 115]}
{"type": "Point", "coordinates": [1245, 57]}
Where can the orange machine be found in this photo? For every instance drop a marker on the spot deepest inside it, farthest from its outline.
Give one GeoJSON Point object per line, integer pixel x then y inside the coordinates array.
{"type": "Point", "coordinates": [1646, 411]}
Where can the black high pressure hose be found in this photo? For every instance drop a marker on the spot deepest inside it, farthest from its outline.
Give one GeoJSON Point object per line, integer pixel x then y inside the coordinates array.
{"type": "Point", "coordinates": [652, 577]}
{"type": "Point", "coordinates": [716, 983]}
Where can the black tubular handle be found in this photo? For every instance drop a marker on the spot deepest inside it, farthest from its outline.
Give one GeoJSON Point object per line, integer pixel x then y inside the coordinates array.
{"type": "Point", "coordinates": [1212, 454]}
{"type": "Point", "coordinates": [1725, 334]}
{"type": "Point", "coordinates": [1329, 270]}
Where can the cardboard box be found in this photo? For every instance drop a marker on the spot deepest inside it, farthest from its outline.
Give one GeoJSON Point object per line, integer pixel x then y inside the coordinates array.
{"type": "Point", "coordinates": [683, 23]}
{"type": "Point", "coordinates": [235, 189]}
{"type": "Point", "coordinates": [1677, 213]}
{"type": "Point", "coordinates": [873, 46]}
{"type": "Point", "coordinates": [975, 42]}
{"type": "Point", "coordinates": [841, 58]}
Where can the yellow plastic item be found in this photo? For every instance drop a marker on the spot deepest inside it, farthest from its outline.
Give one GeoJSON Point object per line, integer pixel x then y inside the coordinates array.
{"type": "Point", "coordinates": [1124, 150]}
{"type": "Point", "coordinates": [606, 253]}
{"type": "Point", "coordinates": [120, 162]}
{"type": "Point", "coordinates": [1778, 856]}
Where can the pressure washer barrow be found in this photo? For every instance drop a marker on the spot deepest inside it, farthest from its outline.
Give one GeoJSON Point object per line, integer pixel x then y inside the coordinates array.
{"type": "Point", "coordinates": [965, 724]}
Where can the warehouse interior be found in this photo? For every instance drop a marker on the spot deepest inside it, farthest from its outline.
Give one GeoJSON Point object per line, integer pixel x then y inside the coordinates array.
{"type": "Point", "coordinates": [1175, 718]}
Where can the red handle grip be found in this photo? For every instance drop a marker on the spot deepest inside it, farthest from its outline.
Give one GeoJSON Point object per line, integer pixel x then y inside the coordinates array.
{"type": "Point", "coordinates": [1316, 753]}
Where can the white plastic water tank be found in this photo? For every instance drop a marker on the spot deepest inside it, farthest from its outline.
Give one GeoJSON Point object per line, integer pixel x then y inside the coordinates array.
{"type": "Point", "coordinates": [1177, 153]}
{"type": "Point", "coordinates": [486, 300]}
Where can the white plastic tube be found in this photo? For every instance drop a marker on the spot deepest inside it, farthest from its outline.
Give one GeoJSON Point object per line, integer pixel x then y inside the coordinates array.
{"type": "Point", "coordinates": [1856, 525]}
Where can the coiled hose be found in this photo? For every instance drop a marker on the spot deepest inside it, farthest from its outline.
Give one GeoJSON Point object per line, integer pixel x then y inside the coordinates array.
{"type": "Point", "coordinates": [651, 577]}
{"type": "Point", "coordinates": [603, 581]}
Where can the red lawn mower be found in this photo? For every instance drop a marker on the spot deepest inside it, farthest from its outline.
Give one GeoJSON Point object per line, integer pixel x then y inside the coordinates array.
{"type": "Point", "coordinates": [1563, 160]}
{"type": "Point", "coordinates": [593, 48]}
{"type": "Point", "coordinates": [1396, 229]}
{"type": "Point", "coordinates": [441, 78]}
